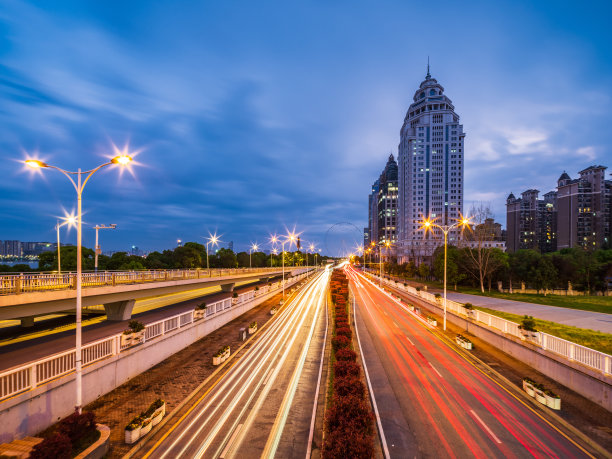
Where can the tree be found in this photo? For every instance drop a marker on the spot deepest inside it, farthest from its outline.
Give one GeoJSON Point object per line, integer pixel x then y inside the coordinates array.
{"type": "Point", "coordinates": [454, 274]}
{"type": "Point", "coordinates": [225, 258]}
{"type": "Point", "coordinates": [47, 261]}
{"type": "Point", "coordinates": [424, 271]}
{"type": "Point", "coordinates": [480, 261]}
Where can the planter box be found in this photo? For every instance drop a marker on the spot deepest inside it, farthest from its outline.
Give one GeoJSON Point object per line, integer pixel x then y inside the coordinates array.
{"type": "Point", "coordinates": [138, 337]}
{"type": "Point", "coordinates": [252, 330]}
{"type": "Point", "coordinates": [127, 340]}
{"type": "Point", "coordinates": [540, 397]}
{"type": "Point", "coordinates": [272, 311]}
{"type": "Point", "coordinates": [132, 436]}
{"type": "Point", "coordinates": [146, 429]}
{"type": "Point", "coordinates": [226, 354]}
{"type": "Point", "coordinates": [157, 417]}
{"type": "Point", "coordinates": [199, 314]}
{"type": "Point", "coordinates": [528, 387]}
{"type": "Point", "coordinates": [217, 360]}
{"type": "Point", "coordinates": [161, 409]}
{"type": "Point", "coordinates": [553, 402]}
{"type": "Point", "coordinates": [433, 322]}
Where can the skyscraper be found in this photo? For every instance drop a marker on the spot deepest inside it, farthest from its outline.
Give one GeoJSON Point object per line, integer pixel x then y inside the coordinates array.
{"type": "Point", "coordinates": [430, 170]}
{"type": "Point", "coordinates": [387, 203]}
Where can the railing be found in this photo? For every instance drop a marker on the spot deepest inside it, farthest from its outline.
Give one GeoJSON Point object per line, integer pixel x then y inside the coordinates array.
{"type": "Point", "coordinates": [34, 374]}
{"type": "Point", "coordinates": [574, 352]}
{"type": "Point", "coordinates": [38, 282]}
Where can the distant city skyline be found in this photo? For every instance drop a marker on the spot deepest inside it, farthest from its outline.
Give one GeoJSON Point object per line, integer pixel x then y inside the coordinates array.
{"type": "Point", "coordinates": [247, 125]}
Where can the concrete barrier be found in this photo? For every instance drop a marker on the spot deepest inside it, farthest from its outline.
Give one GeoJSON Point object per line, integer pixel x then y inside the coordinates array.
{"type": "Point", "coordinates": [30, 412]}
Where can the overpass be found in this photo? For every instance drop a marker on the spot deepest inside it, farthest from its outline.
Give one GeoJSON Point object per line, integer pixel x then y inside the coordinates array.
{"type": "Point", "coordinates": [25, 296]}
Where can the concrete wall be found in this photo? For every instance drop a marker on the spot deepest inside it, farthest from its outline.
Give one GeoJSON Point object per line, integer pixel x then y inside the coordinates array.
{"type": "Point", "coordinates": [30, 412]}
{"type": "Point", "coordinates": [587, 382]}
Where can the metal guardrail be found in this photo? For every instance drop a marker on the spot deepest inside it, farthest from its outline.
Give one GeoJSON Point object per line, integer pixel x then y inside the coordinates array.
{"type": "Point", "coordinates": [11, 284]}
{"type": "Point", "coordinates": [586, 356]}
{"type": "Point", "coordinates": [33, 374]}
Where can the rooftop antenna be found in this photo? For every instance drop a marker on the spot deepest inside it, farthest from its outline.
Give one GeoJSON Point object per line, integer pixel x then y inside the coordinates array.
{"type": "Point", "coordinates": [428, 76]}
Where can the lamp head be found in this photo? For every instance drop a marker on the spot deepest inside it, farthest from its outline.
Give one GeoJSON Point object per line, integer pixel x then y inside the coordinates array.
{"type": "Point", "coordinates": [35, 164]}
{"type": "Point", "coordinates": [122, 160]}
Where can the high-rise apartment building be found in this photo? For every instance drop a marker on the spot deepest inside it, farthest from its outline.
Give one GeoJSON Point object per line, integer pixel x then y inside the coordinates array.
{"type": "Point", "coordinates": [387, 203]}
{"type": "Point", "coordinates": [430, 170]}
{"type": "Point", "coordinates": [531, 222]}
{"type": "Point", "coordinates": [373, 213]}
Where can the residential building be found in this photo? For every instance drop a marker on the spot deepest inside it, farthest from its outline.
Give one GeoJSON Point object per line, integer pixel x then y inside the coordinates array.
{"type": "Point", "coordinates": [431, 171]}
{"type": "Point", "coordinates": [531, 222]}
{"type": "Point", "coordinates": [373, 212]}
{"type": "Point", "coordinates": [387, 203]}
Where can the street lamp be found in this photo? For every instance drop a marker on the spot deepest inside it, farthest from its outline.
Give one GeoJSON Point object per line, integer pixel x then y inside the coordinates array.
{"type": "Point", "coordinates": [428, 224]}
{"type": "Point", "coordinates": [387, 244]}
{"type": "Point", "coordinates": [214, 240]}
{"type": "Point", "coordinates": [70, 221]}
{"type": "Point", "coordinates": [121, 160]}
{"type": "Point", "coordinates": [98, 249]}
{"type": "Point", "coordinates": [251, 249]}
{"type": "Point", "coordinates": [291, 238]}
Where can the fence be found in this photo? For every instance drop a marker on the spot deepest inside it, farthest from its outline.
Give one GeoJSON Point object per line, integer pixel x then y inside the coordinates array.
{"type": "Point", "coordinates": [34, 374]}
{"type": "Point", "coordinates": [37, 282]}
{"type": "Point", "coordinates": [574, 352]}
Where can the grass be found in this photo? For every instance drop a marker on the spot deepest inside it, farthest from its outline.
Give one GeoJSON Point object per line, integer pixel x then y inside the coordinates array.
{"type": "Point", "coordinates": [590, 338]}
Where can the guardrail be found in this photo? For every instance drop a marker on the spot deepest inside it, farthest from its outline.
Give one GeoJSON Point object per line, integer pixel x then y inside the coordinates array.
{"type": "Point", "coordinates": [36, 373]}
{"type": "Point", "coordinates": [11, 284]}
{"type": "Point", "coordinates": [573, 352]}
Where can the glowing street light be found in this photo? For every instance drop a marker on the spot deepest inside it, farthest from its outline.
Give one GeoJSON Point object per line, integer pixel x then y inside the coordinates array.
{"type": "Point", "coordinates": [214, 240]}
{"type": "Point", "coordinates": [254, 247]}
{"type": "Point", "coordinates": [428, 225]}
{"type": "Point", "coordinates": [70, 221]}
{"type": "Point", "coordinates": [123, 160]}
{"type": "Point", "coordinates": [291, 238]}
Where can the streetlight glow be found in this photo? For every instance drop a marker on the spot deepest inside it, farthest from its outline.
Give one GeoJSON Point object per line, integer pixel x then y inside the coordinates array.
{"type": "Point", "coordinates": [122, 160]}
{"type": "Point", "coordinates": [35, 164]}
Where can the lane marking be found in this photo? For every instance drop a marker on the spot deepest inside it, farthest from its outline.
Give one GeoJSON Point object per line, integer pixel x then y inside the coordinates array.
{"type": "Point", "coordinates": [434, 368]}
{"type": "Point", "coordinates": [267, 377]}
{"type": "Point", "coordinates": [486, 427]}
{"type": "Point", "coordinates": [230, 442]}
{"type": "Point", "coordinates": [409, 340]}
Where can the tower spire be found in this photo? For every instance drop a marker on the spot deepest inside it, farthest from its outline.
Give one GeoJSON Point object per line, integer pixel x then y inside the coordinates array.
{"type": "Point", "coordinates": [428, 76]}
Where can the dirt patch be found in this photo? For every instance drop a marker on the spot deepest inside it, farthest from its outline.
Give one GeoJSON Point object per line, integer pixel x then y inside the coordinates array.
{"type": "Point", "coordinates": [172, 380]}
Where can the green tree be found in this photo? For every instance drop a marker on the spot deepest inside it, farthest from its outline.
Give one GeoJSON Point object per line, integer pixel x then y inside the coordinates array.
{"type": "Point", "coordinates": [47, 261]}
{"type": "Point", "coordinates": [225, 258]}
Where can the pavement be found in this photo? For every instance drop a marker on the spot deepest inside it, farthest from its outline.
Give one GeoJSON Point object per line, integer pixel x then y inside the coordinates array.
{"type": "Point", "coordinates": [574, 317]}
{"type": "Point", "coordinates": [433, 400]}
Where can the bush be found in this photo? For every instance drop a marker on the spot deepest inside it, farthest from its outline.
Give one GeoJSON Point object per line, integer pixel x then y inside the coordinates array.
{"type": "Point", "coordinates": [340, 342]}
{"type": "Point", "coordinates": [344, 331]}
{"type": "Point", "coordinates": [235, 295]}
{"type": "Point", "coordinates": [349, 386]}
{"type": "Point", "coordinates": [77, 426]}
{"type": "Point", "coordinates": [342, 324]}
{"type": "Point", "coordinates": [57, 446]}
{"type": "Point", "coordinates": [528, 324]}
{"type": "Point", "coordinates": [201, 306]}
{"type": "Point", "coordinates": [344, 369]}
{"type": "Point", "coordinates": [468, 306]}
{"type": "Point", "coordinates": [136, 326]}
{"type": "Point", "coordinates": [346, 355]}
{"type": "Point", "coordinates": [344, 442]}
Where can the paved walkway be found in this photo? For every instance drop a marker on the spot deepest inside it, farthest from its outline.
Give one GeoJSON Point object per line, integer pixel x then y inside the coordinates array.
{"type": "Point", "coordinates": [575, 317]}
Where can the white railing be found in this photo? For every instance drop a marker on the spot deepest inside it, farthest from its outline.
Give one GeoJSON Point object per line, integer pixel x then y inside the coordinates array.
{"type": "Point", "coordinates": [574, 352]}
{"type": "Point", "coordinates": [33, 374]}
{"type": "Point", "coordinates": [36, 282]}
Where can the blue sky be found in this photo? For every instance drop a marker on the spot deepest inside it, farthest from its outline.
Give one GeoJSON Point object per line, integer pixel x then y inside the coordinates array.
{"type": "Point", "coordinates": [250, 116]}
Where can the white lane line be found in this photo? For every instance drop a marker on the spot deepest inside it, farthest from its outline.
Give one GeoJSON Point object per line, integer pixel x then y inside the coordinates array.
{"type": "Point", "coordinates": [395, 323]}
{"type": "Point", "coordinates": [434, 368]}
{"type": "Point", "coordinates": [365, 370]}
{"type": "Point", "coordinates": [316, 397]}
{"type": "Point", "coordinates": [486, 427]}
{"type": "Point", "coordinates": [230, 442]}
{"type": "Point", "coordinates": [409, 340]}
{"type": "Point", "coordinates": [268, 377]}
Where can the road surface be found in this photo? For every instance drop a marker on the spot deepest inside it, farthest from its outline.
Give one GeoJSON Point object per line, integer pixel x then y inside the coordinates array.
{"type": "Point", "coordinates": [433, 400]}
{"type": "Point", "coordinates": [263, 405]}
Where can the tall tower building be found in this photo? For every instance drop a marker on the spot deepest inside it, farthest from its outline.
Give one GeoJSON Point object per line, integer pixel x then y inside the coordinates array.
{"type": "Point", "coordinates": [430, 170]}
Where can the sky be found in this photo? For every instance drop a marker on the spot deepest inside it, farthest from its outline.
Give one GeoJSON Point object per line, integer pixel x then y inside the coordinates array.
{"type": "Point", "coordinates": [247, 118]}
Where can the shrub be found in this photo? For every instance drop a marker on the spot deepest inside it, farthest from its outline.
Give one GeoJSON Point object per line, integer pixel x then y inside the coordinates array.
{"type": "Point", "coordinates": [344, 331]}
{"type": "Point", "coordinates": [437, 295]}
{"type": "Point", "coordinates": [136, 326]}
{"type": "Point", "coordinates": [344, 442]}
{"type": "Point", "coordinates": [57, 446]}
{"type": "Point", "coordinates": [201, 306]}
{"type": "Point", "coordinates": [341, 318]}
{"type": "Point", "coordinates": [77, 426]}
{"type": "Point", "coordinates": [346, 355]}
{"type": "Point", "coordinates": [468, 306]}
{"type": "Point", "coordinates": [253, 324]}
{"type": "Point", "coordinates": [342, 324]}
{"type": "Point", "coordinates": [235, 295]}
{"type": "Point", "coordinates": [350, 412]}
{"type": "Point", "coordinates": [349, 386]}
{"type": "Point", "coordinates": [134, 423]}
{"type": "Point", "coordinates": [340, 342]}
{"type": "Point", "coordinates": [528, 324]}
{"type": "Point", "coordinates": [344, 368]}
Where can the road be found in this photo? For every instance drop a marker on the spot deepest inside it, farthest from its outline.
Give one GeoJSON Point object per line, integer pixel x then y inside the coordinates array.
{"type": "Point", "coordinates": [433, 400]}
{"type": "Point", "coordinates": [262, 406]}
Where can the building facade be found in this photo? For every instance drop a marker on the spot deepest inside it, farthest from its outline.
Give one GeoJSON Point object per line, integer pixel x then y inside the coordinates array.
{"type": "Point", "coordinates": [531, 222]}
{"type": "Point", "coordinates": [387, 203]}
{"type": "Point", "coordinates": [431, 170]}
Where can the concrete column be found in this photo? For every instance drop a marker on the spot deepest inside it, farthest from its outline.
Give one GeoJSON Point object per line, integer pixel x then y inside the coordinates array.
{"type": "Point", "coordinates": [27, 322]}
{"type": "Point", "coordinates": [227, 287]}
{"type": "Point", "coordinates": [120, 310]}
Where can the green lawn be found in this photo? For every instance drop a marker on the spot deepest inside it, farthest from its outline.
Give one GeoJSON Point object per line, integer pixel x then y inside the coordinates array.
{"type": "Point", "coordinates": [590, 338]}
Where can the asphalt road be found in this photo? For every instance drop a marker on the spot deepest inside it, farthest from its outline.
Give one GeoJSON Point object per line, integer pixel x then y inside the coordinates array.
{"type": "Point", "coordinates": [434, 401]}
{"type": "Point", "coordinates": [262, 406]}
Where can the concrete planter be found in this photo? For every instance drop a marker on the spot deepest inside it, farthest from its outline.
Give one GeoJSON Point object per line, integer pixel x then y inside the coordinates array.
{"type": "Point", "coordinates": [553, 401]}
{"type": "Point", "coordinates": [138, 337]}
{"type": "Point", "coordinates": [540, 397]}
{"type": "Point", "coordinates": [432, 322]}
{"type": "Point", "coordinates": [127, 340]}
{"type": "Point", "coordinates": [217, 360]}
{"type": "Point", "coordinates": [528, 387]}
{"type": "Point", "coordinates": [156, 419]}
{"type": "Point", "coordinates": [464, 342]}
{"type": "Point", "coordinates": [252, 330]}
{"type": "Point", "coordinates": [100, 448]}
{"type": "Point", "coordinates": [146, 428]}
{"type": "Point", "coordinates": [199, 314]}
{"type": "Point", "coordinates": [132, 436]}
{"type": "Point", "coordinates": [272, 311]}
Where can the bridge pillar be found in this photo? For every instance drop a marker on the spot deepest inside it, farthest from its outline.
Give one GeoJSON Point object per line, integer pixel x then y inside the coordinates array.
{"type": "Point", "coordinates": [228, 287]}
{"type": "Point", "coordinates": [119, 310]}
{"type": "Point", "coordinates": [27, 322]}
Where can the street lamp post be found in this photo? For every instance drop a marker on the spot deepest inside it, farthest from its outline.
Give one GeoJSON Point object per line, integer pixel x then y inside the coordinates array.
{"type": "Point", "coordinates": [68, 221]}
{"type": "Point", "coordinates": [253, 247]}
{"type": "Point", "coordinates": [98, 250]}
{"type": "Point", "coordinates": [428, 225]}
{"type": "Point", "coordinates": [291, 238]}
{"type": "Point", "coordinates": [121, 160]}
{"type": "Point", "coordinates": [386, 245]}
{"type": "Point", "coordinates": [214, 240]}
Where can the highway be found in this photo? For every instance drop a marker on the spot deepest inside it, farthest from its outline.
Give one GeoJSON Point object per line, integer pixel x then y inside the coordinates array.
{"type": "Point", "coordinates": [263, 405]}
{"type": "Point", "coordinates": [434, 400]}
